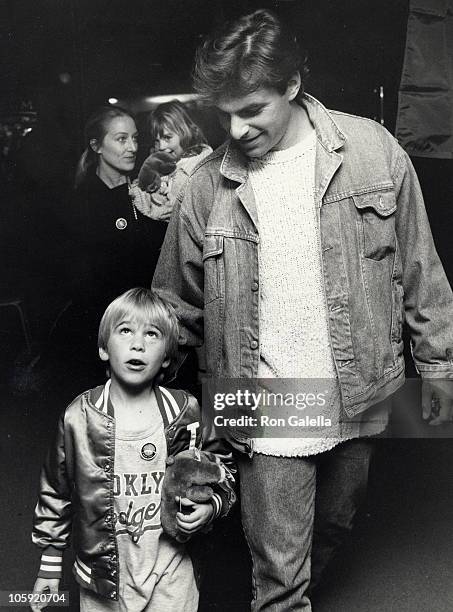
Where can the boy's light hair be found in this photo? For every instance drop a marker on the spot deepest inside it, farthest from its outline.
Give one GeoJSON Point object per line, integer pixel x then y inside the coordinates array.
{"type": "Point", "coordinates": [145, 305]}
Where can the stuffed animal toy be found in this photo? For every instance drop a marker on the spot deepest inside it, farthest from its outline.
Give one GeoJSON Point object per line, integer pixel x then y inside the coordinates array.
{"type": "Point", "coordinates": [193, 474]}
{"type": "Point", "coordinates": [155, 167]}
{"type": "Point", "coordinates": [150, 191]}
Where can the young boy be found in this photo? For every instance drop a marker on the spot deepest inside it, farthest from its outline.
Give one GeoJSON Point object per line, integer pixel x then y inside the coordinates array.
{"type": "Point", "coordinates": [102, 479]}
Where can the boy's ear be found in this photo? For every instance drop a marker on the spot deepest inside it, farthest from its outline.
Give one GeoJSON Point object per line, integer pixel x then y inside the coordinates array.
{"type": "Point", "coordinates": [165, 363]}
{"type": "Point", "coordinates": [103, 354]}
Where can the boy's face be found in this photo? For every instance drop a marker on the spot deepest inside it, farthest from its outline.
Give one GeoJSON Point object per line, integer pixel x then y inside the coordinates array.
{"type": "Point", "coordinates": [258, 122]}
{"type": "Point", "coordinates": [136, 351]}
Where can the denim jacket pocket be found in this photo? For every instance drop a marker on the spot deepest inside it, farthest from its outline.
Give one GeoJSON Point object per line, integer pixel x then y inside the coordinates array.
{"type": "Point", "coordinates": [213, 267]}
{"type": "Point", "coordinates": [377, 221]}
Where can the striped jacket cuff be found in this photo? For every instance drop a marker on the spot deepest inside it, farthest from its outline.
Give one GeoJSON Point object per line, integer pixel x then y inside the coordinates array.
{"type": "Point", "coordinates": [216, 501]}
{"type": "Point", "coordinates": [51, 563]}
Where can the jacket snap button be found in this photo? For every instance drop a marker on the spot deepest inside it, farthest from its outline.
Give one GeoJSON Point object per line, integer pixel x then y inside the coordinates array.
{"type": "Point", "coordinates": [107, 467]}
{"type": "Point", "coordinates": [254, 344]}
{"type": "Point", "coordinates": [254, 286]}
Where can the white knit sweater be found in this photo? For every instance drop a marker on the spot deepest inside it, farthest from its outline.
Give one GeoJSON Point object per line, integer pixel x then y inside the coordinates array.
{"type": "Point", "coordinates": [294, 336]}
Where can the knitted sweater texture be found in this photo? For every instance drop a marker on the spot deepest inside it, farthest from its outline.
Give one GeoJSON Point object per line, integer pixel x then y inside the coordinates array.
{"type": "Point", "coordinates": [294, 335]}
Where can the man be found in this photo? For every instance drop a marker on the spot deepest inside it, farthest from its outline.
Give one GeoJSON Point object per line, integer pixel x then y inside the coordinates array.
{"type": "Point", "coordinates": [293, 253]}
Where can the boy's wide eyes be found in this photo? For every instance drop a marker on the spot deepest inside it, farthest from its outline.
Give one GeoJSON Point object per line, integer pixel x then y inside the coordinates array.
{"type": "Point", "coordinates": [150, 333]}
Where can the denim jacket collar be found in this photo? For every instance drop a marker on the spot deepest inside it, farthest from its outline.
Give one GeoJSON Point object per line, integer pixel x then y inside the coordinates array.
{"type": "Point", "coordinates": [329, 135]}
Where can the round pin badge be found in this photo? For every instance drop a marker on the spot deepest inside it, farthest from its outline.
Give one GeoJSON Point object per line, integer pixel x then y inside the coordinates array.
{"type": "Point", "coordinates": [148, 451]}
{"type": "Point", "coordinates": [121, 223]}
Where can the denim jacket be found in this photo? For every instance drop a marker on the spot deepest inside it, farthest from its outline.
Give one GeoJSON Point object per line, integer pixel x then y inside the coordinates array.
{"type": "Point", "coordinates": [379, 261]}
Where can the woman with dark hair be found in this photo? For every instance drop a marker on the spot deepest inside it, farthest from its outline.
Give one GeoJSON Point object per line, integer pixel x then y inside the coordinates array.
{"type": "Point", "coordinates": [178, 140]}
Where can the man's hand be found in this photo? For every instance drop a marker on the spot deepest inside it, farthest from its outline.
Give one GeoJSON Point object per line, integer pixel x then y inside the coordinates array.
{"type": "Point", "coordinates": [437, 400]}
{"type": "Point", "coordinates": [44, 585]}
{"type": "Point", "coordinates": [199, 516]}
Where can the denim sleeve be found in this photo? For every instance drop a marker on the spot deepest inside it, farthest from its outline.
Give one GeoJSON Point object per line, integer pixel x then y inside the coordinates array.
{"type": "Point", "coordinates": [428, 299]}
{"type": "Point", "coordinates": [179, 273]}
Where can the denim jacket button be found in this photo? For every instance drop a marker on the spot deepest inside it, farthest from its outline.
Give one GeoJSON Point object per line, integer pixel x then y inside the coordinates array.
{"type": "Point", "coordinates": [254, 344]}
{"type": "Point", "coordinates": [255, 286]}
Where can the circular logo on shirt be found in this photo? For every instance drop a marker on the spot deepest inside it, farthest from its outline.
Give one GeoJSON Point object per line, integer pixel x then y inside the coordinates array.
{"type": "Point", "coordinates": [148, 451]}
{"type": "Point", "coordinates": [121, 223]}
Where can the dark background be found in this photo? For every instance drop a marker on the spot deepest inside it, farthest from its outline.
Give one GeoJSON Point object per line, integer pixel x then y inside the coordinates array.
{"type": "Point", "coordinates": [59, 59]}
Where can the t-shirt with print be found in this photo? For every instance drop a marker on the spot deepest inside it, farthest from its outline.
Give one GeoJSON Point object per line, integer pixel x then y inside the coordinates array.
{"type": "Point", "coordinates": [155, 571]}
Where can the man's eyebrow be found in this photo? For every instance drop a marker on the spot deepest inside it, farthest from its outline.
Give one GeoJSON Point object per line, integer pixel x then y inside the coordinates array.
{"type": "Point", "coordinates": [252, 106]}
{"type": "Point", "coordinates": [245, 109]}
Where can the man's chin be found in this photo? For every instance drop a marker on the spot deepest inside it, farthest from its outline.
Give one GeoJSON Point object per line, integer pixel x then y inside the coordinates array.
{"type": "Point", "coordinates": [253, 149]}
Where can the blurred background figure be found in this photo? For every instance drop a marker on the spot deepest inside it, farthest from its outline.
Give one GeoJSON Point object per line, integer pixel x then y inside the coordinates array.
{"type": "Point", "coordinates": [176, 138]}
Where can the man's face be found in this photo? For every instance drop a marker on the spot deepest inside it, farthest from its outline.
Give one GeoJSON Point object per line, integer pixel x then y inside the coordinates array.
{"type": "Point", "coordinates": [258, 122]}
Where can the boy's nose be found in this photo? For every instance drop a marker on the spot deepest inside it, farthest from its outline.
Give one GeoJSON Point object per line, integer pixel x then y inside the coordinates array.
{"type": "Point", "coordinates": [138, 343]}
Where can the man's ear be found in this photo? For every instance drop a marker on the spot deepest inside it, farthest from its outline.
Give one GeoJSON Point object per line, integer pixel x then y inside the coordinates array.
{"type": "Point", "coordinates": [94, 145]}
{"type": "Point", "coordinates": [165, 363]}
{"type": "Point", "coordinates": [103, 354]}
{"type": "Point", "coordinates": [293, 86]}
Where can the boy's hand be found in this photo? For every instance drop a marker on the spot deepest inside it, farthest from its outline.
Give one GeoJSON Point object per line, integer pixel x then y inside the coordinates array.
{"type": "Point", "coordinates": [44, 585]}
{"type": "Point", "coordinates": [199, 515]}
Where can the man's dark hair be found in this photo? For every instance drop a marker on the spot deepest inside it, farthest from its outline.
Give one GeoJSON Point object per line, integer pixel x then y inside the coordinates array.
{"type": "Point", "coordinates": [255, 51]}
